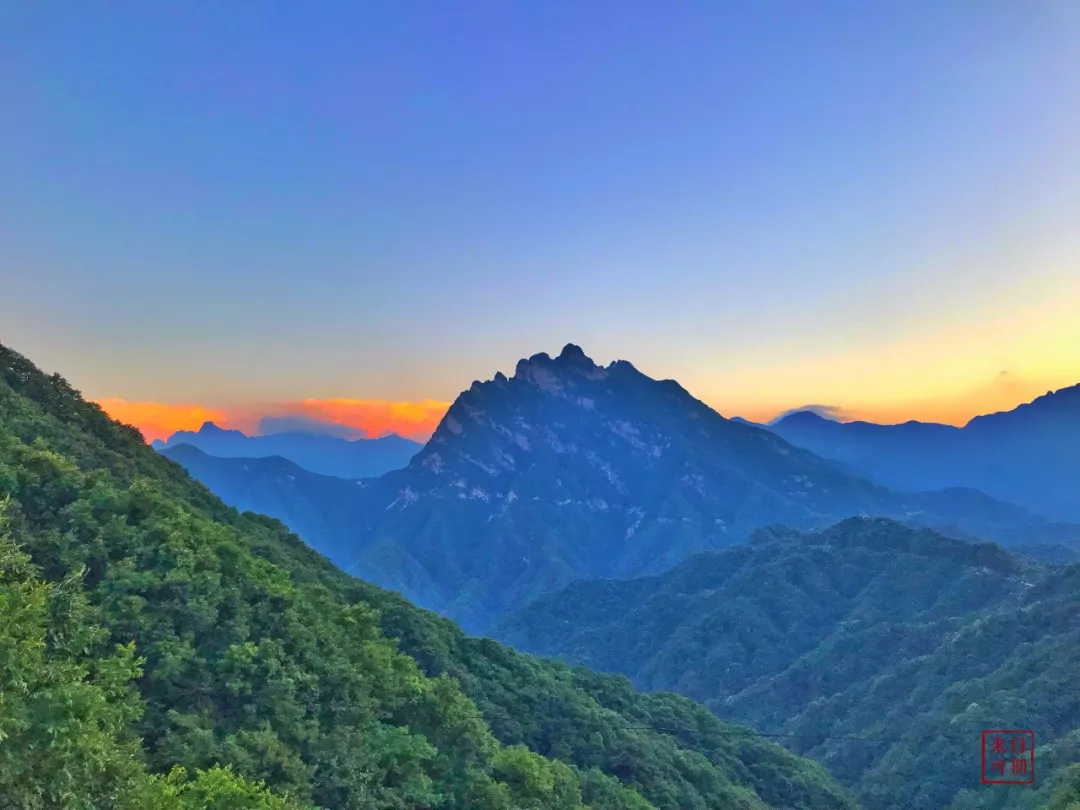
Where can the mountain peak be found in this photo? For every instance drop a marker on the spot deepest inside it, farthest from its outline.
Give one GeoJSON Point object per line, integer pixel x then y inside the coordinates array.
{"type": "Point", "coordinates": [805, 417]}
{"type": "Point", "coordinates": [210, 429]}
{"type": "Point", "coordinates": [572, 351]}
{"type": "Point", "coordinates": [524, 367]}
{"type": "Point", "coordinates": [550, 375]}
{"type": "Point", "coordinates": [624, 366]}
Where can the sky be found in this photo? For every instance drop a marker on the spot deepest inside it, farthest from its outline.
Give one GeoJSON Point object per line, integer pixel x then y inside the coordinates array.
{"type": "Point", "coordinates": [350, 211]}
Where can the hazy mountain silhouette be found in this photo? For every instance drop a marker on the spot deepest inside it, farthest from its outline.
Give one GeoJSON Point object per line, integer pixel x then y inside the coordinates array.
{"type": "Point", "coordinates": [317, 452]}
{"type": "Point", "coordinates": [1029, 455]}
{"type": "Point", "coordinates": [298, 423]}
{"type": "Point", "coordinates": [316, 507]}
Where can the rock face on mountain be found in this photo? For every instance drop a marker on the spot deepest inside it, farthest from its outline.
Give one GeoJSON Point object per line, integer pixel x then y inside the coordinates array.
{"type": "Point", "coordinates": [1029, 455]}
{"type": "Point", "coordinates": [569, 469]}
{"type": "Point", "coordinates": [879, 649]}
{"type": "Point", "coordinates": [318, 453]}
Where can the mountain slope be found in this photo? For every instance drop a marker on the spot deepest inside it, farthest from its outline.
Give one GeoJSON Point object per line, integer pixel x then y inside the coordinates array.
{"type": "Point", "coordinates": [316, 507]}
{"type": "Point", "coordinates": [899, 644]}
{"type": "Point", "coordinates": [568, 470]}
{"type": "Point", "coordinates": [259, 655]}
{"type": "Point", "coordinates": [1030, 455]}
{"type": "Point", "coordinates": [326, 455]}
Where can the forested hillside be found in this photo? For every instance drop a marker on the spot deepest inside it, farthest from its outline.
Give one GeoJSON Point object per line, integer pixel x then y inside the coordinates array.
{"type": "Point", "coordinates": [882, 650]}
{"type": "Point", "coordinates": [159, 649]}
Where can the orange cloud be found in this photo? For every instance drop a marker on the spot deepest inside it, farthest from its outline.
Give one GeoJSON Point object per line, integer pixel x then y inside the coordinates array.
{"type": "Point", "coordinates": [159, 420]}
{"type": "Point", "coordinates": [414, 420]}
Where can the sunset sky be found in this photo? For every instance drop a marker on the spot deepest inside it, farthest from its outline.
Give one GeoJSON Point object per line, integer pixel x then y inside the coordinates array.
{"type": "Point", "coordinates": [349, 212]}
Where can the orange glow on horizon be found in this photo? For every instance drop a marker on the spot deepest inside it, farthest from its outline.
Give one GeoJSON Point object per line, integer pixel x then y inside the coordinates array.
{"type": "Point", "coordinates": [160, 420]}
{"type": "Point", "coordinates": [418, 420]}
{"type": "Point", "coordinates": [413, 420]}
{"type": "Point", "coordinates": [1004, 393]}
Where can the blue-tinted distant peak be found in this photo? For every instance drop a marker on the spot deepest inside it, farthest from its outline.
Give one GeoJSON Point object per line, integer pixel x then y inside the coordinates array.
{"type": "Point", "coordinates": [740, 420]}
{"type": "Point", "coordinates": [806, 417]}
{"type": "Point", "coordinates": [571, 357]}
{"type": "Point", "coordinates": [210, 429]}
{"type": "Point", "coordinates": [571, 351]}
{"type": "Point", "coordinates": [1051, 408]}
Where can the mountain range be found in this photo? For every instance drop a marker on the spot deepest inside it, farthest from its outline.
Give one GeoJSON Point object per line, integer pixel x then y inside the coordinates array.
{"type": "Point", "coordinates": [879, 649]}
{"type": "Point", "coordinates": [566, 470]}
{"type": "Point", "coordinates": [230, 664]}
{"type": "Point", "coordinates": [319, 453]}
{"type": "Point", "coordinates": [161, 650]}
{"type": "Point", "coordinates": [1029, 455]}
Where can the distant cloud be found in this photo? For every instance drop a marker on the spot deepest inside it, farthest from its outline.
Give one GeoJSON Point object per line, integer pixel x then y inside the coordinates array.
{"type": "Point", "coordinates": [347, 418]}
{"type": "Point", "coordinates": [298, 423]}
{"type": "Point", "coordinates": [833, 412]}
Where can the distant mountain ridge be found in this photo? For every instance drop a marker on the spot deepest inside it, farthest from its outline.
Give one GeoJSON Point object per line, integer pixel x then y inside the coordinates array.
{"type": "Point", "coordinates": [314, 506]}
{"type": "Point", "coordinates": [1029, 455]}
{"type": "Point", "coordinates": [316, 452]}
{"type": "Point", "coordinates": [569, 469]}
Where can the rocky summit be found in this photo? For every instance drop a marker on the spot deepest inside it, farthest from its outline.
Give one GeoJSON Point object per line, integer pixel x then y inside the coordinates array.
{"type": "Point", "coordinates": [570, 469]}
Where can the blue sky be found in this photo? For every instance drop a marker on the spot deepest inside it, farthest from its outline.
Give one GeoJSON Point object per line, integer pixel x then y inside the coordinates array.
{"type": "Point", "coordinates": [862, 204]}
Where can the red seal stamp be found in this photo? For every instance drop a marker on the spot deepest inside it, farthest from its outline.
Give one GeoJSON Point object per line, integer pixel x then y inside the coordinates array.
{"type": "Point", "coordinates": [1008, 757]}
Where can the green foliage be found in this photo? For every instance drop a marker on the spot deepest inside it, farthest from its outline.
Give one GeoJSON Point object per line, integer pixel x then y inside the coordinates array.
{"type": "Point", "coordinates": [1066, 795]}
{"type": "Point", "coordinates": [534, 780]}
{"type": "Point", "coordinates": [62, 717]}
{"type": "Point", "coordinates": [67, 715]}
{"type": "Point", "coordinates": [151, 632]}
{"type": "Point", "coordinates": [214, 789]}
